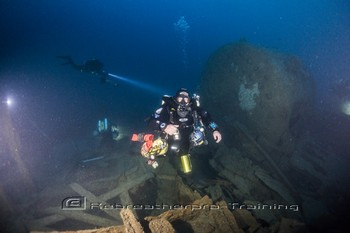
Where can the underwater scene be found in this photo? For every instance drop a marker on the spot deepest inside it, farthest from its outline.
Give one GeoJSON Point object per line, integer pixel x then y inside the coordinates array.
{"type": "Point", "coordinates": [175, 116]}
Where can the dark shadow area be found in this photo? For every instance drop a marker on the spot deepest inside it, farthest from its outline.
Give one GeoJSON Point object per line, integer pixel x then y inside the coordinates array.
{"type": "Point", "coordinates": [182, 226]}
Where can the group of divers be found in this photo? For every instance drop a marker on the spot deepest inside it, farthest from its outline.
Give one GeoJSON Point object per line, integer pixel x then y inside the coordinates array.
{"type": "Point", "coordinates": [176, 127]}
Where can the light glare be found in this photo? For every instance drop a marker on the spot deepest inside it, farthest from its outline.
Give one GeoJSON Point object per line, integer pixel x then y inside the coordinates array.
{"type": "Point", "coordinates": [9, 102]}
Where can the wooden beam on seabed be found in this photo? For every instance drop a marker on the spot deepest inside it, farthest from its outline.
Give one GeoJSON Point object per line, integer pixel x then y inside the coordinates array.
{"type": "Point", "coordinates": [134, 179]}
{"type": "Point", "coordinates": [125, 187]}
{"type": "Point", "coordinates": [82, 216]}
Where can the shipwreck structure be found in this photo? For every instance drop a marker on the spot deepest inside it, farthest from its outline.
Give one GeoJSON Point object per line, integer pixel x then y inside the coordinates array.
{"type": "Point", "coordinates": [268, 174]}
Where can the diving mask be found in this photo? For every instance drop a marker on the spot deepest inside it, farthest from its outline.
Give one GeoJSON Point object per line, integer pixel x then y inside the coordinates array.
{"type": "Point", "coordinates": [183, 99]}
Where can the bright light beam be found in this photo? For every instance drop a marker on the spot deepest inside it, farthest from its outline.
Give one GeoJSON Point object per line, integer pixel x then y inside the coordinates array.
{"type": "Point", "coordinates": [139, 84]}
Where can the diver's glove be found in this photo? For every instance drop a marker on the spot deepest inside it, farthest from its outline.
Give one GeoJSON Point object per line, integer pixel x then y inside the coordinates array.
{"type": "Point", "coordinates": [217, 136]}
{"type": "Point", "coordinates": [171, 129]}
{"type": "Point", "coordinates": [152, 163]}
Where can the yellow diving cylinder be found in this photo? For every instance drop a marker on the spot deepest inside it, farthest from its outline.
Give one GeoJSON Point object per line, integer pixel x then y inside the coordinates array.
{"type": "Point", "coordinates": [186, 163]}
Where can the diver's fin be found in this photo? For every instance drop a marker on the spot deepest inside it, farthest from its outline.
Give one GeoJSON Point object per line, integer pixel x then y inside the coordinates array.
{"type": "Point", "coordinates": [69, 61]}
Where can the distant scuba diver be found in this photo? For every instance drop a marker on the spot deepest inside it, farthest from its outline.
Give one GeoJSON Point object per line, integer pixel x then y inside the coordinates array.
{"type": "Point", "coordinates": [93, 66]}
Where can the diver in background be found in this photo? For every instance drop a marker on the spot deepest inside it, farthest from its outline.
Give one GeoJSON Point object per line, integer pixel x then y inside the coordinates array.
{"type": "Point", "coordinates": [93, 66]}
{"type": "Point", "coordinates": [183, 122]}
{"type": "Point", "coordinates": [108, 132]}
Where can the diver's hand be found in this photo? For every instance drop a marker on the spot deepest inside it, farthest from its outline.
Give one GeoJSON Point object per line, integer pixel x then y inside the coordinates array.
{"type": "Point", "coordinates": [217, 136]}
{"type": "Point", "coordinates": [171, 129]}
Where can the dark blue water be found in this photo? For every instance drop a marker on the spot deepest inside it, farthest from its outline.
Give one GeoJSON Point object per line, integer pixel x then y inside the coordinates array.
{"type": "Point", "coordinates": [139, 40]}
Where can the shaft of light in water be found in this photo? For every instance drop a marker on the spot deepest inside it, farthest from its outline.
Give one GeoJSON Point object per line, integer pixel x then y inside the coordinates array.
{"type": "Point", "coordinates": [139, 84]}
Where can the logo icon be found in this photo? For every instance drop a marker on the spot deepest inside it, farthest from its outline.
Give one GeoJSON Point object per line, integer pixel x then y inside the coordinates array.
{"type": "Point", "coordinates": [74, 203]}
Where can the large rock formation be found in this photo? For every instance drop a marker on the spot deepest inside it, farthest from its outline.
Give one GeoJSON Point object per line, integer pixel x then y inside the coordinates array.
{"type": "Point", "coordinates": [269, 92]}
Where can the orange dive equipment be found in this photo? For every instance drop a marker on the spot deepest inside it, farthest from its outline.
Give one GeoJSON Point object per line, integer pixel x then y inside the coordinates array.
{"type": "Point", "coordinates": [151, 147]}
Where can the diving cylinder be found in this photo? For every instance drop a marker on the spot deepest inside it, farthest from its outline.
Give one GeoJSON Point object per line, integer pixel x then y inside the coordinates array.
{"type": "Point", "coordinates": [186, 163]}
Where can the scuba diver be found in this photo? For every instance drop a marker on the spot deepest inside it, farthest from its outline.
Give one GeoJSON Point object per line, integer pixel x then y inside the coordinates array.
{"type": "Point", "coordinates": [108, 131]}
{"type": "Point", "coordinates": [106, 137]}
{"type": "Point", "coordinates": [93, 66]}
{"type": "Point", "coordinates": [182, 124]}
{"type": "Point", "coordinates": [107, 126]}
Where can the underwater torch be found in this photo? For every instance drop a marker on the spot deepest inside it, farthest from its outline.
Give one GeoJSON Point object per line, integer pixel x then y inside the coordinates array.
{"type": "Point", "coordinates": [7, 101]}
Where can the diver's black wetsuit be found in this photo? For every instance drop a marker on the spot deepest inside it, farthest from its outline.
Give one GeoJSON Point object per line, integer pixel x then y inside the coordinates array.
{"type": "Point", "coordinates": [173, 113]}
{"type": "Point", "coordinates": [92, 66]}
